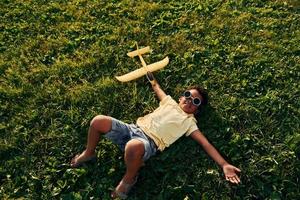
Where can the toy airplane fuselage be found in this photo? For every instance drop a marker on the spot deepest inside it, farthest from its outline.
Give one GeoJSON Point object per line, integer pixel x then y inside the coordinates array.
{"type": "Point", "coordinates": [146, 68]}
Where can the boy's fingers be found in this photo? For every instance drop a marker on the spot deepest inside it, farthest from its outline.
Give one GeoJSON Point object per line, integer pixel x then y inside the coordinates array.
{"type": "Point", "coordinates": [236, 179]}
{"type": "Point", "coordinates": [150, 76]}
{"type": "Point", "coordinates": [237, 169]}
{"type": "Point", "coordinates": [233, 179]}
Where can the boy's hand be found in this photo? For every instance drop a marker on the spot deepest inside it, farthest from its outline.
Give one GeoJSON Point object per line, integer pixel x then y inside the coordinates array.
{"type": "Point", "coordinates": [155, 86]}
{"type": "Point", "coordinates": [230, 173]}
{"type": "Point", "coordinates": [151, 78]}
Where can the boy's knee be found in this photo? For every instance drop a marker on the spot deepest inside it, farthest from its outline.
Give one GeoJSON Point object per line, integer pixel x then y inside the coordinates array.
{"type": "Point", "coordinates": [134, 149]}
{"type": "Point", "coordinates": [101, 123]}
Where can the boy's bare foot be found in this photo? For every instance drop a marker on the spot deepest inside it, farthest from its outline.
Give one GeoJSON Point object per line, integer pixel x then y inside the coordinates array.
{"type": "Point", "coordinates": [122, 189]}
{"type": "Point", "coordinates": [82, 158]}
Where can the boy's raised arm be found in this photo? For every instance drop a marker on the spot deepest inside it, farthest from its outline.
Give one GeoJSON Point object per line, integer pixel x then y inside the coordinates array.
{"type": "Point", "coordinates": [229, 170]}
{"type": "Point", "coordinates": [156, 87]}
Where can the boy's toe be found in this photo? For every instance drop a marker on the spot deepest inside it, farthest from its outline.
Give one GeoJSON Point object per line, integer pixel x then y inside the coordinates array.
{"type": "Point", "coordinates": [80, 159]}
{"type": "Point", "coordinates": [74, 161]}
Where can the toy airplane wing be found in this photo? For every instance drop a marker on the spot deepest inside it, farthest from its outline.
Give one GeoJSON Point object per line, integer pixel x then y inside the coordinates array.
{"type": "Point", "coordinates": [143, 71]}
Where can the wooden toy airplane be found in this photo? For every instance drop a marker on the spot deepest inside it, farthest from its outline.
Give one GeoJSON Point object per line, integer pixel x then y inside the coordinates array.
{"type": "Point", "coordinates": [146, 68]}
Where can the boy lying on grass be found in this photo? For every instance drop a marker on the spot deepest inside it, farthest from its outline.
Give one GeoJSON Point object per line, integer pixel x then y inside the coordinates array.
{"type": "Point", "coordinates": [153, 132]}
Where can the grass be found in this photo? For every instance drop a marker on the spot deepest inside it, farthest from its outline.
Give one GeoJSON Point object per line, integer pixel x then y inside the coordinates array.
{"type": "Point", "coordinates": [58, 60]}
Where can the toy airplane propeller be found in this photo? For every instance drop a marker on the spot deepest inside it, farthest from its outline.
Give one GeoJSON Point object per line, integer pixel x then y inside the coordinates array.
{"type": "Point", "coordinates": [146, 68]}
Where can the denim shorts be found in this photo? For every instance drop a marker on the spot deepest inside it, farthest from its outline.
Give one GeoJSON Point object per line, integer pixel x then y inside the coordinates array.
{"type": "Point", "coordinates": [121, 133]}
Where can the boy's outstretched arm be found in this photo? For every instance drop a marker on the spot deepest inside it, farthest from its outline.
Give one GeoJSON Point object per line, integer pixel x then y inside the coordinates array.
{"type": "Point", "coordinates": [229, 170]}
{"type": "Point", "coordinates": [156, 87]}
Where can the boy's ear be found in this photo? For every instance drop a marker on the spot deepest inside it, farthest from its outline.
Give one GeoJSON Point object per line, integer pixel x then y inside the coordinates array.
{"type": "Point", "coordinates": [180, 98]}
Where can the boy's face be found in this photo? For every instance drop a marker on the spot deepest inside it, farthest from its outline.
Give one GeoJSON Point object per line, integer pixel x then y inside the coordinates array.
{"type": "Point", "coordinates": [187, 105]}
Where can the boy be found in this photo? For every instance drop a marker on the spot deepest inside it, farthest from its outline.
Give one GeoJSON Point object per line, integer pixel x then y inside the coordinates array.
{"type": "Point", "coordinates": [153, 132]}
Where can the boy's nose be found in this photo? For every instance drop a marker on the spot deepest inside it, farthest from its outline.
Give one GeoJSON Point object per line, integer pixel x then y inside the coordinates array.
{"type": "Point", "coordinates": [189, 100]}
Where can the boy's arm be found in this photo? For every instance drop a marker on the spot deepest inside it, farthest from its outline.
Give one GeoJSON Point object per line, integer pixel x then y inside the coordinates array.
{"type": "Point", "coordinates": [230, 171]}
{"type": "Point", "coordinates": [156, 87]}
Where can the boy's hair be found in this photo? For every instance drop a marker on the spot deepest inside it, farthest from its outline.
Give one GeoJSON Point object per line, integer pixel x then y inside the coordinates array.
{"type": "Point", "coordinates": [204, 94]}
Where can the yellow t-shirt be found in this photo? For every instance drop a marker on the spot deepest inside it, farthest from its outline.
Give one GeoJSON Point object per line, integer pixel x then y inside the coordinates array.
{"type": "Point", "coordinates": [167, 123]}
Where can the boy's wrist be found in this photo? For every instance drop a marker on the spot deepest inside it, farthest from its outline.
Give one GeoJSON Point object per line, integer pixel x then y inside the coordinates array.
{"type": "Point", "coordinates": [223, 164]}
{"type": "Point", "coordinates": [153, 83]}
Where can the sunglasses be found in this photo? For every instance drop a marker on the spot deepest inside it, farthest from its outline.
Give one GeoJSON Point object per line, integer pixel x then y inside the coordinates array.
{"type": "Point", "coordinates": [195, 100]}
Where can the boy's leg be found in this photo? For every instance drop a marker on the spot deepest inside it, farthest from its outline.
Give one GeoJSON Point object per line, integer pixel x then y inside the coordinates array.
{"type": "Point", "coordinates": [134, 152]}
{"type": "Point", "coordinates": [99, 125]}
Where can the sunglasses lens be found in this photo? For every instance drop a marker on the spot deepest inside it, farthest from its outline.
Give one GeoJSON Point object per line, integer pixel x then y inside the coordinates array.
{"type": "Point", "coordinates": [187, 94]}
{"type": "Point", "coordinates": [197, 101]}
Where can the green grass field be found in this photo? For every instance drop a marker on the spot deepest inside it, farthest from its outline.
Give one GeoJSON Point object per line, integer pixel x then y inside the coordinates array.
{"type": "Point", "coordinates": [58, 60]}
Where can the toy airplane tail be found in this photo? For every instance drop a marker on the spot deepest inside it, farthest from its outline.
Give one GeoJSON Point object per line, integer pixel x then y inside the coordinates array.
{"type": "Point", "coordinates": [146, 68]}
